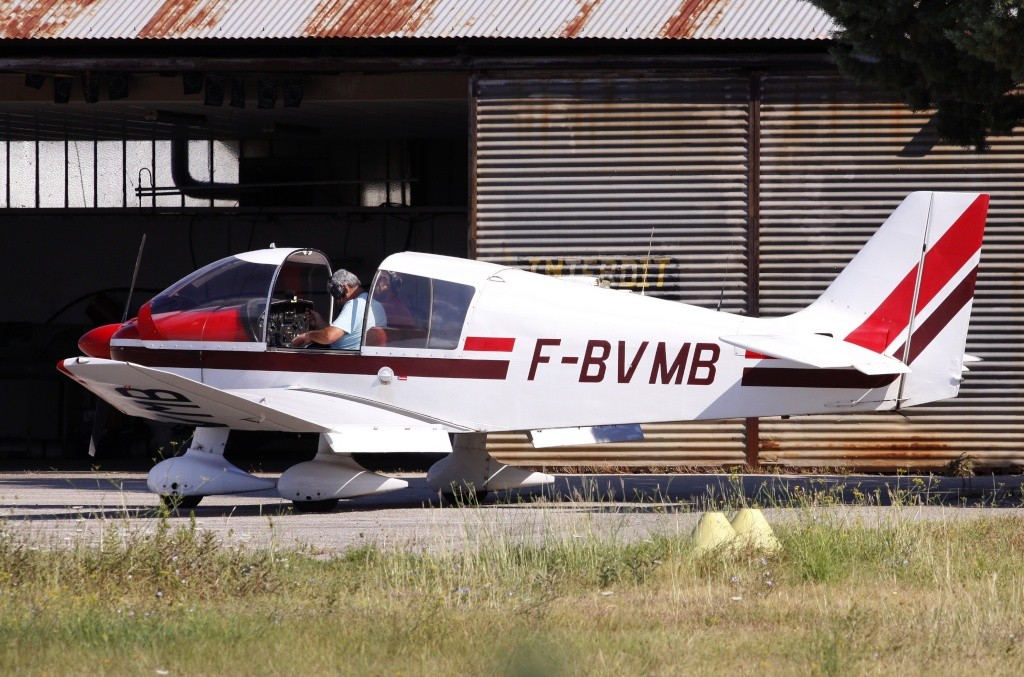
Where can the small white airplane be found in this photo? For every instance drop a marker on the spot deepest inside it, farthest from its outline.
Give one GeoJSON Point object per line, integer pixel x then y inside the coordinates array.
{"type": "Point", "coordinates": [473, 347]}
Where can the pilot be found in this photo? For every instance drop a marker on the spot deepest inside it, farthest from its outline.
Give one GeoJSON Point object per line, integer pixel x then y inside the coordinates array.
{"type": "Point", "coordinates": [346, 332]}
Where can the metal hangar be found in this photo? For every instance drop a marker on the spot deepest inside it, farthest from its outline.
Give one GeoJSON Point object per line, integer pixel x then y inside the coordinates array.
{"type": "Point", "coordinates": [702, 151]}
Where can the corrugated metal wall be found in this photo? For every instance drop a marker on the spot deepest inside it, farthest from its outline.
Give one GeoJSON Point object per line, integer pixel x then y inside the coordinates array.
{"type": "Point", "coordinates": [834, 163]}
{"type": "Point", "coordinates": [580, 175]}
{"type": "Point", "coordinates": [653, 172]}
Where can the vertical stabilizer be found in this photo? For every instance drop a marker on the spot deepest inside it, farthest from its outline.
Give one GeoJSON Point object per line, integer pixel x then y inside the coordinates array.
{"type": "Point", "coordinates": [908, 292]}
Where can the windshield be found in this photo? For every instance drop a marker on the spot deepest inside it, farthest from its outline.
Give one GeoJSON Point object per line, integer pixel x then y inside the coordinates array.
{"type": "Point", "coordinates": [228, 282]}
{"type": "Point", "coordinates": [225, 301]}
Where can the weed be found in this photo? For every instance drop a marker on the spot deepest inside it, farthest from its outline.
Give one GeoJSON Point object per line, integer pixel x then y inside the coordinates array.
{"type": "Point", "coordinates": [961, 466]}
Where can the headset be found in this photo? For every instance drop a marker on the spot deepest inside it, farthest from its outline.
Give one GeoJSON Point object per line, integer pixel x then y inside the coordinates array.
{"type": "Point", "coordinates": [337, 290]}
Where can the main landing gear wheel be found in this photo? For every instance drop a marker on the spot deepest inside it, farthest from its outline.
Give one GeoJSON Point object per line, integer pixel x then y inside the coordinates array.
{"type": "Point", "coordinates": [325, 505]}
{"type": "Point", "coordinates": [176, 503]}
{"type": "Point", "coordinates": [463, 497]}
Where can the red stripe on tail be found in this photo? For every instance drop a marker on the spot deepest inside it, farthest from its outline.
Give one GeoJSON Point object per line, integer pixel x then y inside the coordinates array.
{"type": "Point", "coordinates": [941, 262]}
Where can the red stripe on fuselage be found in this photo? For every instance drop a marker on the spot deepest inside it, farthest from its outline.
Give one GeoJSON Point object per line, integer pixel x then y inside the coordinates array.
{"type": "Point", "coordinates": [489, 344]}
{"type": "Point", "coordinates": [314, 361]}
{"type": "Point", "coordinates": [945, 258]}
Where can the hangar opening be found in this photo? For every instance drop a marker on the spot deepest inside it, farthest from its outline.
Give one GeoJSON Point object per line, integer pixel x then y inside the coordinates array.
{"type": "Point", "coordinates": [357, 166]}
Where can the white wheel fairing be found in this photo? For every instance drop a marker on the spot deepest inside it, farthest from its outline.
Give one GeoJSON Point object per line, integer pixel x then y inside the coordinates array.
{"type": "Point", "coordinates": [203, 470]}
{"type": "Point", "coordinates": [332, 476]}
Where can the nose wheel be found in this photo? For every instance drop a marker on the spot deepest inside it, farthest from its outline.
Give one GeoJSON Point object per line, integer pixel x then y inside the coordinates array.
{"type": "Point", "coordinates": [176, 503]}
{"type": "Point", "coordinates": [325, 505]}
{"type": "Point", "coordinates": [463, 497]}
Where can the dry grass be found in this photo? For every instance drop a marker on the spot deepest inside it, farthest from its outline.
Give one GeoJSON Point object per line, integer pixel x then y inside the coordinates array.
{"type": "Point", "coordinates": [906, 597]}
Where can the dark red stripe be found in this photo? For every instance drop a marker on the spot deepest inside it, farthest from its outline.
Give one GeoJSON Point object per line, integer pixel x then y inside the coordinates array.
{"type": "Point", "coordinates": [489, 344]}
{"type": "Point", "coordinates": [315, 361]}
{"type": "Point", "coordinates": [943, 315]}
{"type": "Point", "coordinates": [764, 377]}
{"type": "Point", "coordinates": [942, 261]}
{"type": "Point", "coordinates": [179, 359]}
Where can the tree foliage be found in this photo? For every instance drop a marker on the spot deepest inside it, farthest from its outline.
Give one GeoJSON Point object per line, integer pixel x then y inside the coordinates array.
{"type": "Point", "coordinates": [963, 58]}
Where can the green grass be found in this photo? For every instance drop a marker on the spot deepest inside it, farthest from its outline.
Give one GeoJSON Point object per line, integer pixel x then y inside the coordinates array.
{"type": "Point", "coordinates": [911, 597]}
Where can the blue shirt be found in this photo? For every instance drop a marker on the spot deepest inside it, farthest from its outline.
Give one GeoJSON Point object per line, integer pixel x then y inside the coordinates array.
{"type": "Point", "coordinates": [350, 321]}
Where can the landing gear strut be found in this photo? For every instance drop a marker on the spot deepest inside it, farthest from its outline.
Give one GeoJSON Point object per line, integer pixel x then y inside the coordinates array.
{"type": "Point", "coordinates": [470, 472]}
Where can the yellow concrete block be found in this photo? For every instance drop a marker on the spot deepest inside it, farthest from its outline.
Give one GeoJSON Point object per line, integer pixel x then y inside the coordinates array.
{"type": "Point", "coordinates": [753, 531]}
{"type": "Point", "coordinates": [713, 531]}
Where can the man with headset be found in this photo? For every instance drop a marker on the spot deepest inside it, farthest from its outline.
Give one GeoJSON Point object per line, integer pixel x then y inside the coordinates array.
{"type": "Point", "coordinates": [346, 332]}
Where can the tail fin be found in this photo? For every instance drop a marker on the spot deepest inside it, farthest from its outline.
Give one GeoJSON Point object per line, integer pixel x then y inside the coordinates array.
{"type": "Point", "coordinates": [908, 293]}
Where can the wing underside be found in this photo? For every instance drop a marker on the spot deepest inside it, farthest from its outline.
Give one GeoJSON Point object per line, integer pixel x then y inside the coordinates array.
{"type": "Point", "coordinates": [157, 395]}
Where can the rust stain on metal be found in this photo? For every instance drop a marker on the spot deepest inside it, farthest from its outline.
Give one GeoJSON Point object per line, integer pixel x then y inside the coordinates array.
{"type": "Point", "coordinates": [877, 449]}
{"type": "Point", "coordinates": [892, 449]}
{"type": "Point", "coordinates": [576, 24]}
{"type": "Point", "coordinates": [715, 14]}
{"type": "Point", "coordinates": [367, 18]}
{"type": "Point", "coordinates": [683, 22]}
{"type": "Point", "coordinates": [45, 19]}
{"type": "Point", "coordinates": [177, 17]}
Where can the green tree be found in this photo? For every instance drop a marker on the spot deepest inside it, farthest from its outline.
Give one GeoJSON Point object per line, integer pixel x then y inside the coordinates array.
{"type": "Point", "coordinates": [963, 58]}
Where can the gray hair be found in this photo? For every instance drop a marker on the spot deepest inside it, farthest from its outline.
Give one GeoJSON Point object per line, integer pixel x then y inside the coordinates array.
{"type": "Point", "coordinates": [342, 277]}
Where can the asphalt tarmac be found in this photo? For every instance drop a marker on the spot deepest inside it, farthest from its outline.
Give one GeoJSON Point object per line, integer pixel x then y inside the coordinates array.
{"type": "Point", "coordinates": [60, 508]}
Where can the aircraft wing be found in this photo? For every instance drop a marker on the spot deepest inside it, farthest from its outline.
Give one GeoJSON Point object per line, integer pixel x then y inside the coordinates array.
{"type": "Point", "coordinates": [817, 350]}
{"type": "Point", "coordinates": [350, 423]}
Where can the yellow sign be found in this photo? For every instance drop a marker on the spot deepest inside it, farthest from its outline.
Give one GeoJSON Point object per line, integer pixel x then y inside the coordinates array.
{"type": "Point", "coordinates": [623, 273]}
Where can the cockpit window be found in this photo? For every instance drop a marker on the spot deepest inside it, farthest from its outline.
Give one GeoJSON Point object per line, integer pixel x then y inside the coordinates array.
{"type": "Point", "coordinates": [422, 312]}
{"type": "Point", "coordinates": [299, 293]}
{"type": "Point", "coordinates": [448, 313]}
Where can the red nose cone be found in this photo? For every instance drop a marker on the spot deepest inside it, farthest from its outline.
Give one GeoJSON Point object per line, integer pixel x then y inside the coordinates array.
{"type": "Point", "coordinates": [96, 343]}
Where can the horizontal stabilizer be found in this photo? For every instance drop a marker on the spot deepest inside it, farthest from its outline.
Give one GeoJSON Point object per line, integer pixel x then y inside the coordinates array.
{"type": "Point", "coordinates": [597, 434]}
{"type": "Point", "coordinates": [969, 359]}
{"type": "Point", "coordinates": [817, 350]}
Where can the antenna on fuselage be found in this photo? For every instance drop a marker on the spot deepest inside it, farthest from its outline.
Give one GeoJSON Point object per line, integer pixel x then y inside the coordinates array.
{"type": "Point", "coordinates": [725, 281]}
{"type": "Point", "coordinates": [135, 276]}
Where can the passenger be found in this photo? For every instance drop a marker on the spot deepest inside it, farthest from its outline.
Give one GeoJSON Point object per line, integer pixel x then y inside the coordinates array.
{"type": "Point", "coordinates": [386, 291]}
{"type": "Point", "coordinates": [346, 332]}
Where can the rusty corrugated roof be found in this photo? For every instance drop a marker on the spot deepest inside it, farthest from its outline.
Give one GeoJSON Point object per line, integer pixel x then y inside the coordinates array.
{"type": "Point", "coordinates": [553, 19]}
